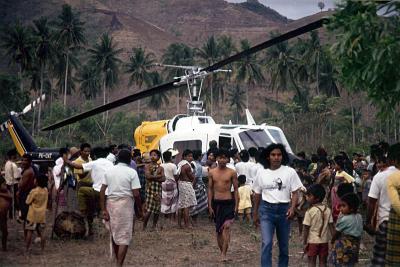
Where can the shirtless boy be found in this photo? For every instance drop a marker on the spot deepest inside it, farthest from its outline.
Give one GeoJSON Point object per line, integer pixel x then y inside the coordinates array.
{"type": "Point", "coordinates": [221, 205]}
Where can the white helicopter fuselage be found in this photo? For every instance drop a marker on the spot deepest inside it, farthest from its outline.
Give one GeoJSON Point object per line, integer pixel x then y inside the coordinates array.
{"type": "Point", "coordinates": [195, 133]}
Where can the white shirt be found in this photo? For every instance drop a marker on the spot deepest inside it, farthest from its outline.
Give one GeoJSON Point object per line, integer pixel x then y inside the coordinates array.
{"type": "Point", "coordinates": [379, 191]}
{"type": "Point", "coordinates": [11, 173]}
{"type": "Point", "coordinates": [121, 179]}
{"type": "Point", "coordinates": [57, 170]}
{"type": "Point", "coordinates": [249, 169]}
{"type": "Point", "coordinates": [111, 157]}
{"type": "Point", "coordinates": [98, 169]}
{"type": "Point", "coordinates": [277, 185]}
{"type": "Point", "coordinates": [170, 170]}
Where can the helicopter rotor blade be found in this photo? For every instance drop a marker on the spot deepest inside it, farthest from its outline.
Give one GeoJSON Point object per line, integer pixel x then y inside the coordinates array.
{"type": "Point", "coordinates": [281, 38]}
{"type": "Point", "coordinates": [176, 83]}
{"type": "Point", "coordinates": [33, 104]}
{"type": "Point", "coordinates": [114, 104]}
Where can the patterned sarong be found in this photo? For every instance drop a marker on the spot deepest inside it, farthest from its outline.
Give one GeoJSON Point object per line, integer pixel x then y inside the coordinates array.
{"type": "Point", "coordinates": [345, 251]}
{"type": "Point", "coordinates": [169, 200]}
{"type": "Point", "coordinates": [121, 219]}
{"type": "Point", "coordinates": [379, 249]}
{"type": "Point", "coordinates": [393, 240]}
{"type": "Point", "coordinates": [153, 196]}
{"type": "Point", "coordinates": [201, 198]}
{"type": "Point", "coordinates": [187, 196]}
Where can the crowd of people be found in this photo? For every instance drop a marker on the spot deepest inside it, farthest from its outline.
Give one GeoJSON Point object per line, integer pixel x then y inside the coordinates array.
{"type": "Point", "coordinates": [334, 199]}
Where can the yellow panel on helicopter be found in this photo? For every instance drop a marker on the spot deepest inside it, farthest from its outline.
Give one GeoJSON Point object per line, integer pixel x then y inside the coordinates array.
{"type": "Point", "coordinates": [147, 136]}
{"type": "Point", "coordinates": [15, 138]}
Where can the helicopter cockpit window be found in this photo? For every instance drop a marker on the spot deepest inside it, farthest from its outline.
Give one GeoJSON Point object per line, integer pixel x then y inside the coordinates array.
{"type": "Point", "coordinates": [203, 120]}
{"type": "Point", "coordinates": [254, 138]}
{"type": "Point", "coordinates": [276, 135]}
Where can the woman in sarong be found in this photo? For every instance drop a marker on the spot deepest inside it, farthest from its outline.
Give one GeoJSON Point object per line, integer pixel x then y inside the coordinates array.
{"type": "Point", "coordinates": [169, 200]}
{"type": "Point", "coordinates": [199, 188]}
{"type": "Point", "coordinates": [154, 177]}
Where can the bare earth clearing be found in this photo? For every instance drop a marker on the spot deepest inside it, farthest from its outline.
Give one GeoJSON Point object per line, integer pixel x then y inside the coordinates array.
{"type": "Point", "coordinates": [172, 247]}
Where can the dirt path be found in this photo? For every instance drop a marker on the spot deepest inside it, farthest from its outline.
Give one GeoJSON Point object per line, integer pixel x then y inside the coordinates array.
{"type": "Point", "coordinates": [172, 247]}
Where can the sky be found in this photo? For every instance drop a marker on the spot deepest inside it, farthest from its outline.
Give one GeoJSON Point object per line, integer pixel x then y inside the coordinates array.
{"type": "Point", "coordinates": [294, 9]}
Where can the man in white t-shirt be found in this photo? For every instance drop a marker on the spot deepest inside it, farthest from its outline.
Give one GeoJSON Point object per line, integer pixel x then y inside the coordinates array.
{"type": "Point", "coordinates": [275, 188]}
{"type": "Point", "coordinates": [123, 192]}
{"type": "Point", "coordinates": [378, 199]}
{"type": "Point", "coordinates": [12, 175]}
{"type": "Point", "coordinates": [113, 151]}
{"type": "Point", "coordinates": [245, 167]}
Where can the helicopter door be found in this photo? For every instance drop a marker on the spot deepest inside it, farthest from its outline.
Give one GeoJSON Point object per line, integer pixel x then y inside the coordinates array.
{"type": "Point", "coordinates": [183, 145]}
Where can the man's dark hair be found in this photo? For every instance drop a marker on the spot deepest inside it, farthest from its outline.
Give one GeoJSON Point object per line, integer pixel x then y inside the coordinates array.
{"type": "Point", "coordinates": [124, 146]}
{"type": "Point", "coordinates": [339, 160]}
{"type": "Point", "coordinates": [323, 162]}
{"type": "Point", "coordinates": [137, 153]}
{"type": "Point", "coordinates": [212, 144]}
{"type": "Point", "coordinates": [344, 189]}
{"type": "Point", "coordinates": [111, 147]}
{"type": "Point", "coordinates": [384, 146]}
{"type": "Point", "coordinates": [186, 152]}
{"type": "Point", "coordinates": [84, 145]}
{"type": "Point", "coordinates": [242, 179]}
{"type": "Point", "coordinates": [264, 155]}
{"type": "Point", "coordinates": [352, 200]}
{"type": "Point", "coordinates": [317, 191]}
{"type": "Point", "coordinates": [28, 157]}
{"type": "Point", "coordinates": [124, 156]}
{"type": "Point", "coordinates": [244, 155]}
{"type": "Point", "coordinates": [233, 152]}
{"type": "Point", "coordinates": [11, 153]}
{"type": "Point", "coordinates": [156, 151]}
{"type": "Point", "coordinates": [321, 152]}
{"type": "Point", "coordinates": [253, 152]}
{"type": "Point", "coordinates": [167, 156]}
{"type": "Point", "coordinates": [42, 180]}
{"type": "Point", "coordinates": [196, 154]}
{"type": "Point", "coordinates": [222, 152]}
{"type": "Point", "coordinates": [63, 151]}
{"type": "Point", "coordinates": [394, 152]}
{"type": "Point", "coordinates": [99, 152]}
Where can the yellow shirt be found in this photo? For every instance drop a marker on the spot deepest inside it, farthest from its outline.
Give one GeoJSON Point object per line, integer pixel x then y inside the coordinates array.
{"type": "Point", "coordinates": [313, 218]}
{"type": "Point", "coordinates": [37, 201]}
{"type": "Point", "coordinates": [87, 179]}
{"type": "Point", "coordinates": [244, 197]}
{"type": "Point", "coordinates": [393, 189]}
{"type": "Point", "coordinates": [347, 177]}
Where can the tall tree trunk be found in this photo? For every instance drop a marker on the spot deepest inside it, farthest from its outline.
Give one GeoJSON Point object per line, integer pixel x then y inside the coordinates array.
{"type": "Point", "coordinates": [318, 73]}
{"type": "Point", "coordinates": [65, 82]}
{"type": "Point", "coordinates": [211, 101]}
{"type": "Point", "coordinates": [104, 99]}
{"type": "Point", "coordinates": [138, 103]}
{"type": "Point", "coordinates": [40, 95]}
{"type": "Point", "coordinates": [353, 127]}
{"type": "Point", "coordinates": [247, 97]}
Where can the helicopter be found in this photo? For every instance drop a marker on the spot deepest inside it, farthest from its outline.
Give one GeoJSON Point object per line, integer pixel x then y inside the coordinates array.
{"type": "Point", "coordinates": [195, 129]}
{"type": "Point", "coordinates": [23, 141]}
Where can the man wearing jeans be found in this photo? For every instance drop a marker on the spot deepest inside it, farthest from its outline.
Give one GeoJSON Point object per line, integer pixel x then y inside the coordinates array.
{"type": "Point", "coordinates": [275, 188]}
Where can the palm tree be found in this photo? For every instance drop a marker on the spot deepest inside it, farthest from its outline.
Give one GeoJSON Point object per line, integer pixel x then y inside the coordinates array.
{"type": "Point", "coordinates": [17, 42]}
{"type": "Point", "coordinates": [90, 82]}
{"type": "Point", "coordinates": [69, 37]}
{"type": "Point", "coordinates": [138, 67]}
{"type": "Point", "coordinates": [104, 58]}
{"type": "Point", "coordinates": [313, 55]}
{"type": "Point", "coordinates": [249, 70]}
{"type": "Point", "coordinates": [43, 52]}
{"type": "Point", "coordinates": [281, 64]}
{"type": "Point", "coordinates": [159, 99]}
{"type": "Point", "coordinates": [235, 96]}
{"type": "Point", "coordinates": [209, 53]}
{"type": "Point", "coordinates": [177, 54]}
